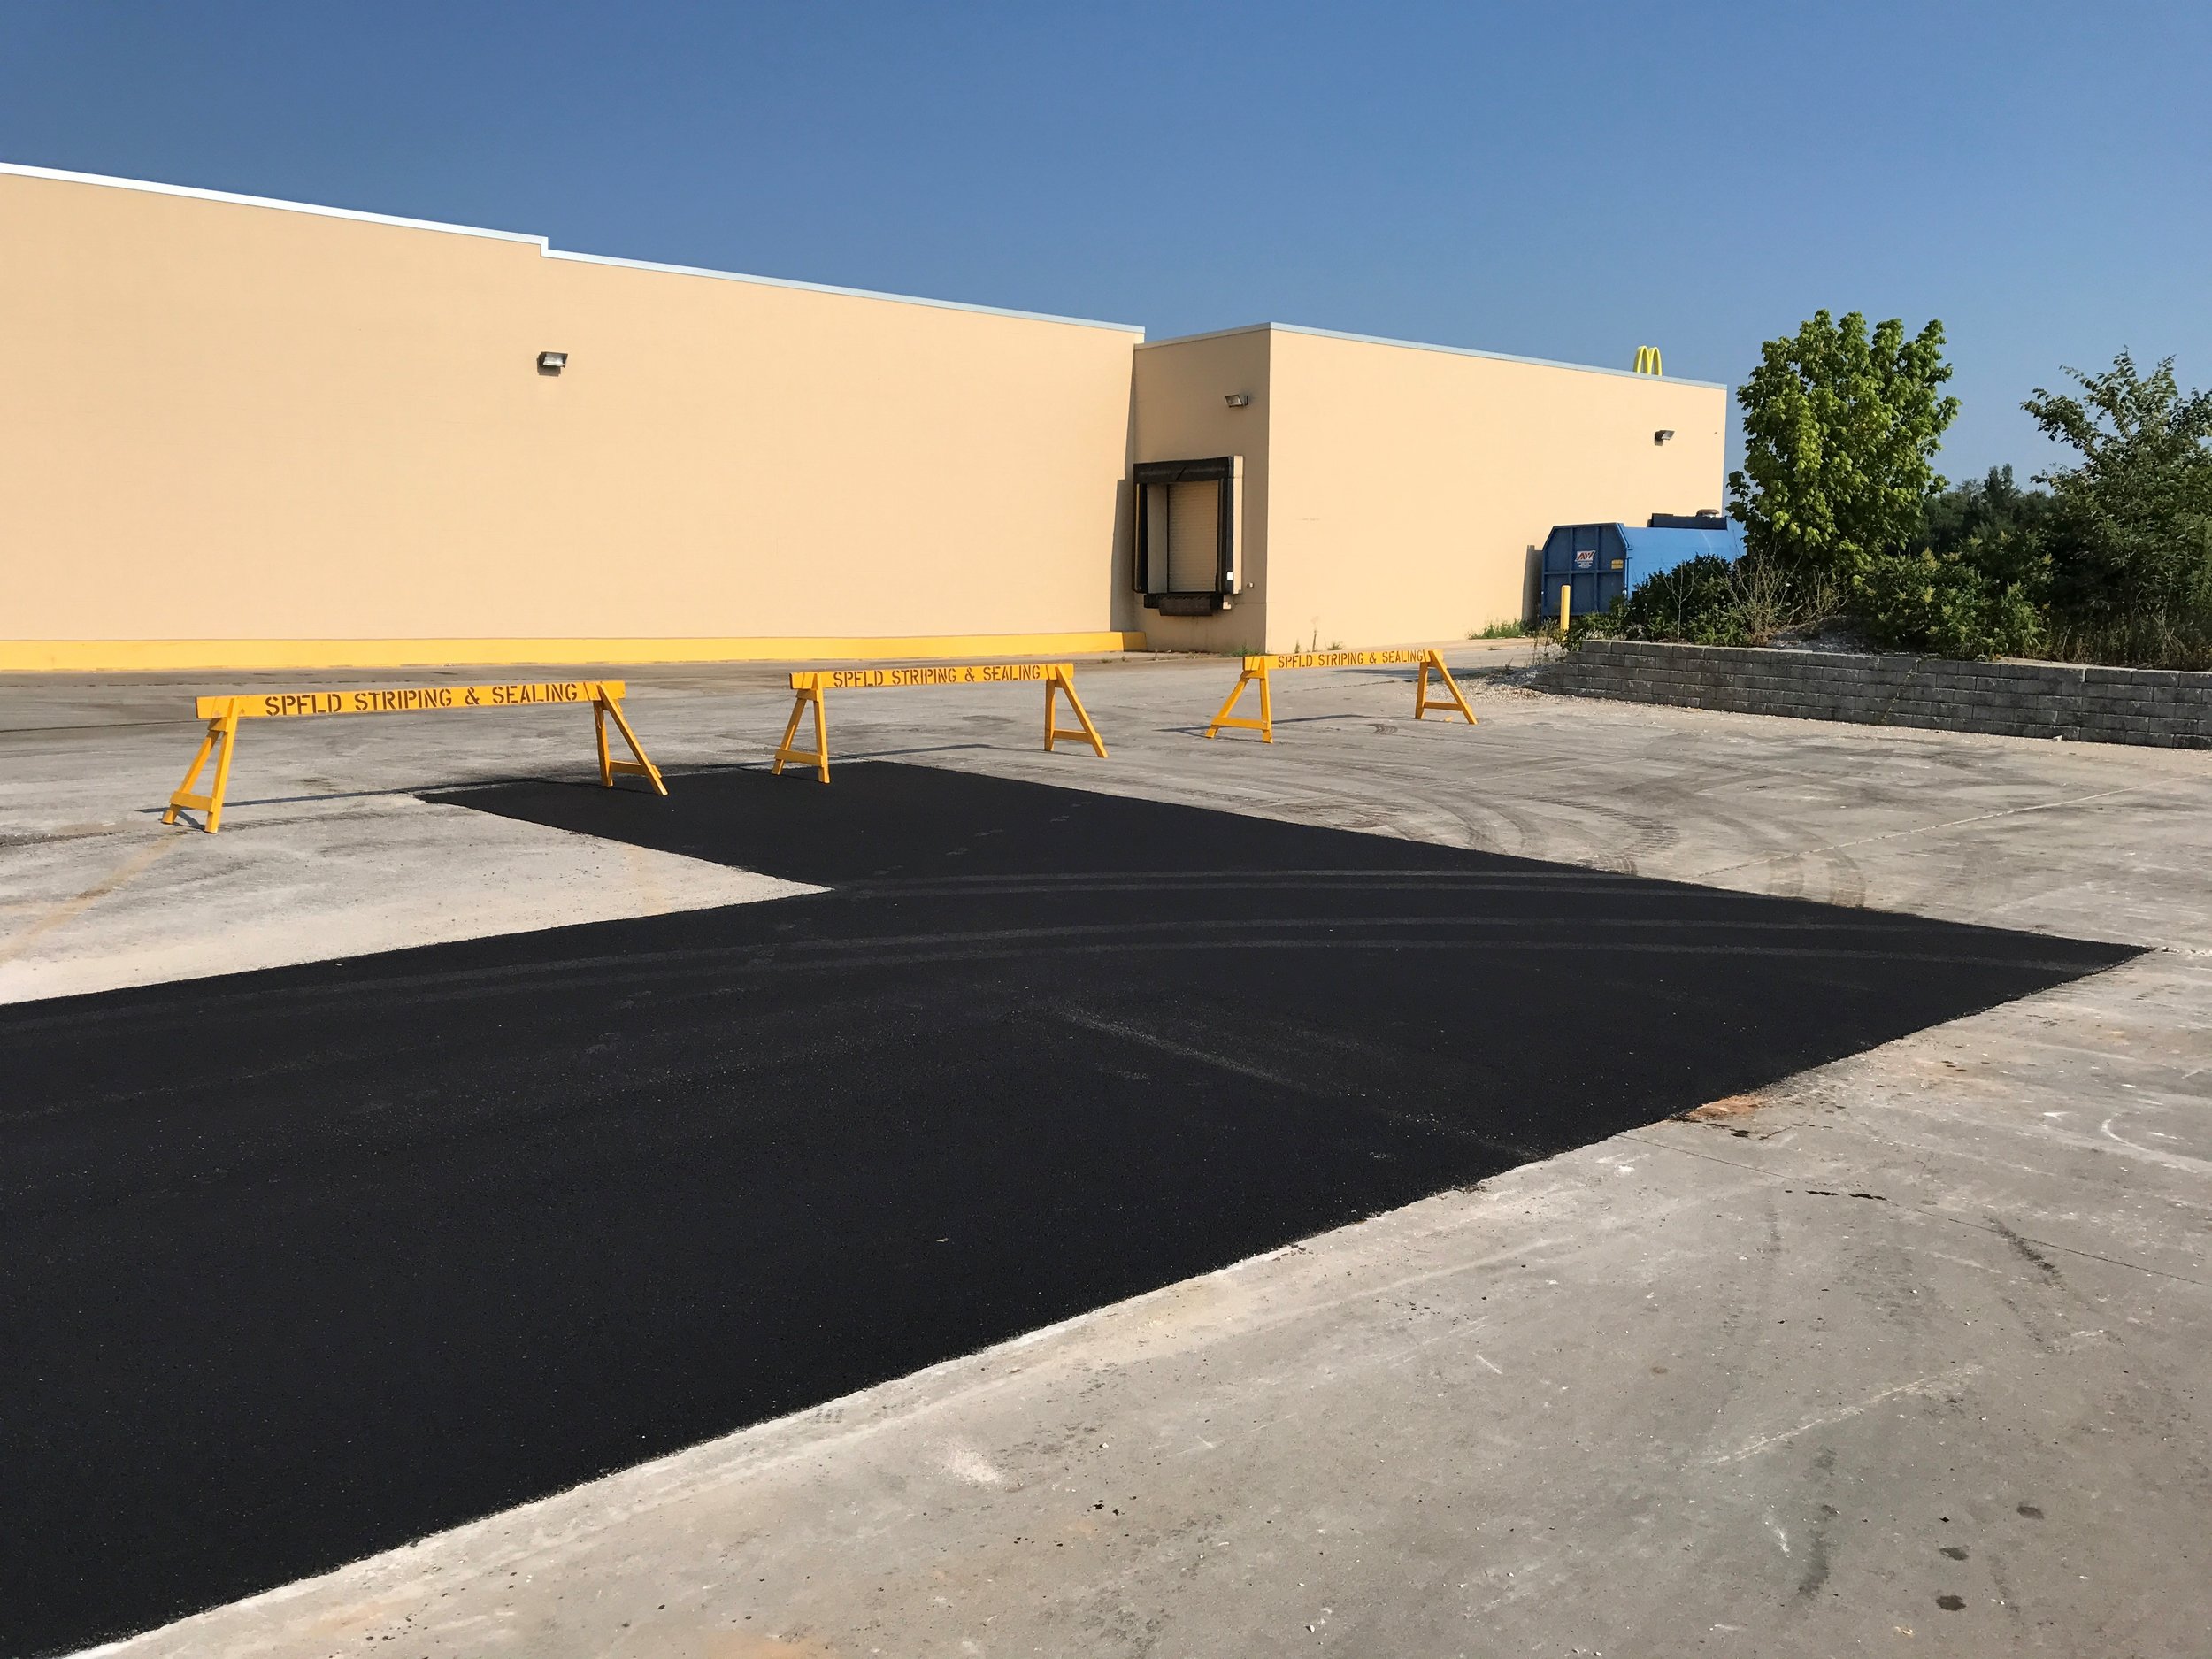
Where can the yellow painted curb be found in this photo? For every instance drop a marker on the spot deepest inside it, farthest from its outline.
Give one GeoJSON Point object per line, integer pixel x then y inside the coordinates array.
{"type": "Point", "coordinates": [88, 657]}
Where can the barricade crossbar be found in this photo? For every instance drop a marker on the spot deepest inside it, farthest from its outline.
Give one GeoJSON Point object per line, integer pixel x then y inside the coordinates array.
{"type": "Point", "coordinates": [809, 686]}
{"type": "Point", "coordinates": [1258, 670]}
{"type": "Point", "coordinates": [222, 714]}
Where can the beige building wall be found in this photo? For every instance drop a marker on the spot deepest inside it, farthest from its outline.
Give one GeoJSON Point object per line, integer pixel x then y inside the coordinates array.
{"type": "Point", "coordinates": [1181, 414]}
{"type": "Point", "coordinates": [239, 434]}
{"type": "Point", "coordinates": [1409, 482]}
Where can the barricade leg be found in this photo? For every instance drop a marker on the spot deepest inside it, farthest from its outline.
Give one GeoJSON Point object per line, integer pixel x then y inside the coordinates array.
{"type": "Point", "coordinates": [818, 755]}
{"type": "Point", "coordinates": [1422, 702]}
{"type": "Point", "coordinates": [1066, 682]}
{"type": "Point", "coordinates": [222, 738]}
{"type": "Point", "coordinates": [603, 709]}
{"type": "Point", "coordinates": [180, 797]}
{"type": "Point", "coordinates": [1265, 725]}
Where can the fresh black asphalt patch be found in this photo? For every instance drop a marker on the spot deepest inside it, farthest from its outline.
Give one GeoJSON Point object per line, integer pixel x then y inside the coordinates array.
{"type": "Point", "coordinates": [303, 1263]}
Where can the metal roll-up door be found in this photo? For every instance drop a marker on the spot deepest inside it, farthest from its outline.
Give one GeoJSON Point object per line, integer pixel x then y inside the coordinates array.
{"type": "Point", "coordinates": [1193, 537]}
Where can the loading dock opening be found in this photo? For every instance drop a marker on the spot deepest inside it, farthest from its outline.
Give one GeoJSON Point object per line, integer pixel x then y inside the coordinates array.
{"type": "Point", "coordinates": [1188, 517]}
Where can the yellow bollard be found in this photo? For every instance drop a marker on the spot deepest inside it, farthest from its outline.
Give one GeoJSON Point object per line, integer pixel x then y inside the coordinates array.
{"type": "Point", "coordinates": [1566, 607]}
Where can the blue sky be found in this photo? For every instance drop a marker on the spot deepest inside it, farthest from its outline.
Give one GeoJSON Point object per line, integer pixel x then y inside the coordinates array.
{"type": "Point", "coordinates": [1561, 181]}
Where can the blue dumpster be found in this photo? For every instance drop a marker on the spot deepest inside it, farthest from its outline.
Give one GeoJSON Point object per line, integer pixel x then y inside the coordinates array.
{"type": "Point", "coordinates": [1601, 562]}
{"type": "Point", "coordinates": [1590, 558]}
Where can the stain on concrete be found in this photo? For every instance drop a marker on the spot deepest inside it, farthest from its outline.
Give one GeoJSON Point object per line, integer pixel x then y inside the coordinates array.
{"type": "Point", "coordinates": [1717, 1112]}
{"type": "Point", "coordinates": [2026, 1251]}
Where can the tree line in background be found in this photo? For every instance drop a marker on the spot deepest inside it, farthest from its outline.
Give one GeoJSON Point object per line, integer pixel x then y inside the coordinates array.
{"type": "Point", "coordinates": [1849, 529]}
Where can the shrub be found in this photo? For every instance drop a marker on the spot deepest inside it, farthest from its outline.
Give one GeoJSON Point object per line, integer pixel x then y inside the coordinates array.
{"type": "Point", "coordinates": [1696, 601]}
{"type": "Point", "coordinates": [1707, 600]}
{"type": "Point", "coordinates": [2152, 639]}
{"type": "Point", "coordinates": [1946, 604]}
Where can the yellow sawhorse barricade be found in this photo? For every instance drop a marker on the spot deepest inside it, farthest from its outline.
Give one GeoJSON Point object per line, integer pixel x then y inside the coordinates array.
{"type": "Point", "coordinates": [1257, 669]}
{"type": "Point", "coordinates": [1058, 678]}
{"type": "Point", "coordinates": [222, 714]}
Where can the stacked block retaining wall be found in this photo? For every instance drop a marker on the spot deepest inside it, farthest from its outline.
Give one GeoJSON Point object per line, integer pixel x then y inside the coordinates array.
{"type": "Point", "coordinates": [2164, 707]}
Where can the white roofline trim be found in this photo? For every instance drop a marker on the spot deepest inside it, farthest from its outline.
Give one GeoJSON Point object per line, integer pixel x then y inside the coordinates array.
{"type": "Point", "coordinates": [1211, 333]}
{"type": "Point", "coordinates": [544, 246]}
{"type": "Point", "coordinates": [1421, 345]}
{"type": "Point", "coordinates": [64, 177]}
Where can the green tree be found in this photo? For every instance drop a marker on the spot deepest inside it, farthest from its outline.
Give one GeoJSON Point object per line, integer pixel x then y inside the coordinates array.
{"type": "Point", "coordinates": [1984, 511]}
{"type": "Point", "coordinates": [1840, 430]}
{"type": "Point", "coordinates": [1978, 586]}
{"type": "Point", "coordinates": [2130, 525]}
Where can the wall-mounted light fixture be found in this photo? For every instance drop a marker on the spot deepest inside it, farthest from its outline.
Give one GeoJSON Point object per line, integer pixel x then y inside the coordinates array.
{"type": "Point", "coordinates": [1237, 400]}
{"type": "Point", "coordinates": [1663, 435]}
{"type": "Point", "coordinates": [552, 362]}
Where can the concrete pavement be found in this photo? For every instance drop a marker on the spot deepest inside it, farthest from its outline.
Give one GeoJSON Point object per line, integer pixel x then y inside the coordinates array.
{"type": "Point", "coordinates": [1908, 1352]}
